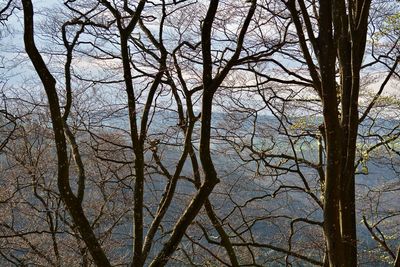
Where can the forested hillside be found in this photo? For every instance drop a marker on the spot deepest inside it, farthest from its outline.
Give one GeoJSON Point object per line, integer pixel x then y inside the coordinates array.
{"type": "Point", "coordinates": [200, 133]}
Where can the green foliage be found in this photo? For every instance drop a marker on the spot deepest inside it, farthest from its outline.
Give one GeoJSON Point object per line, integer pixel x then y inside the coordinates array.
{"type": "Point", "coordinates": [391, 25]}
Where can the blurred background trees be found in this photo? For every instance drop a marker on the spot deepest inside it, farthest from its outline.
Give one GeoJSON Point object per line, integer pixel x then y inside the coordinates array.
{"type": "Point", "coordinates": [199, 133]}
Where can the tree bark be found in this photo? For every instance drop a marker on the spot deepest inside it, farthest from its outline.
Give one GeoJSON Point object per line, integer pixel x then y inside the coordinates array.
{"type": "Point", "coordinates": [342, 28]}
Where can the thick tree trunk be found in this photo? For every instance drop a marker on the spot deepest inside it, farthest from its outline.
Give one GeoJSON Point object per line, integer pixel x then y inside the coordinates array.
{"type": "Point", "coordinates": [333, 136]}
{"type": "Point", "coordinates": [342, 30]}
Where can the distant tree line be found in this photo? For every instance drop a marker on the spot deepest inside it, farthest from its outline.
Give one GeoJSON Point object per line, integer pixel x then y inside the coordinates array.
{"type": "Point", "coordinates": [200, 133]}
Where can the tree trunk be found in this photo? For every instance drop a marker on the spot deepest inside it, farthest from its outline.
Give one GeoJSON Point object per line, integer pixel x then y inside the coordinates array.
{"type": "Point", "coordinates": [71, 201]}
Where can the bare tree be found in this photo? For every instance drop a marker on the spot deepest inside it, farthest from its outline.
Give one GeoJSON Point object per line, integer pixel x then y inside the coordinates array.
{"type": "Point", "coordinates": [220, 132]}
{"type": "Point", "coordinates": [137, 134]}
